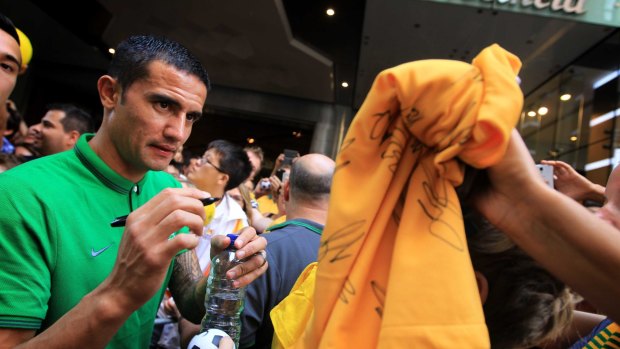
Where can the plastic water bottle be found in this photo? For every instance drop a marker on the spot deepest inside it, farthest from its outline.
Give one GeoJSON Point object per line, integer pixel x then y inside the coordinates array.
{"type": "Point", "coordinates": [223, 302]}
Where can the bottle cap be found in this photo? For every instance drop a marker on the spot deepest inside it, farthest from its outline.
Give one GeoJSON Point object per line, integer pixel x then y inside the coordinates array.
{"type": "Point", "coordinates": [232, 237]}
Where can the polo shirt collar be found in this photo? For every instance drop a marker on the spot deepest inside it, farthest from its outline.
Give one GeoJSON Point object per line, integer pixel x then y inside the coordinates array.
{"type": "Point", "coordinates": [101, 170]}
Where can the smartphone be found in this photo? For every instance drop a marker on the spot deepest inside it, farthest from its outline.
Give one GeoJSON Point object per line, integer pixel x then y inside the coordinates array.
{"type": "Point", "coordinates": [546, 171]}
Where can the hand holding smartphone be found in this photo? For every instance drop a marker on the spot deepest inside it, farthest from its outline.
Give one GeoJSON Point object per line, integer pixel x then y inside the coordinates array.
{"type": "Point", "coordinates": [546, 171]}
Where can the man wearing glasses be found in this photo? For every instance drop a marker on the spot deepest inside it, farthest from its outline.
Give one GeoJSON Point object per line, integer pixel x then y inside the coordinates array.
{"type": "Point", "coordinates": [223, 166]}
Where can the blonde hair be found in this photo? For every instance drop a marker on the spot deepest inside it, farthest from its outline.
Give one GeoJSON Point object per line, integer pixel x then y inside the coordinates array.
{"type": "Point", "coordinates": [247, 201]}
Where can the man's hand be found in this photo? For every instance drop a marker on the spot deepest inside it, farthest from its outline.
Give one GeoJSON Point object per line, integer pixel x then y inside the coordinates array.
{"type": "Point", "coordinates": [560, 234]}
{"type": "Point", "coordinates": [513, 181]}
{"type": "Point", "coordinates": [250, 246]}
{"type": "Point", "coordinates": [146, 249]}
{"type": "Point", "coordinates": [259, 189]}
{"type": "Point", "coordinates": [570, 183]}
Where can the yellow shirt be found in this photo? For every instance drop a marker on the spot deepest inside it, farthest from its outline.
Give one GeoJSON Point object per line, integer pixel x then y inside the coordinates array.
{"type": "Point", "coordinates": [393, 266]}
{"type": "Point", "coordinates": [266, 204]}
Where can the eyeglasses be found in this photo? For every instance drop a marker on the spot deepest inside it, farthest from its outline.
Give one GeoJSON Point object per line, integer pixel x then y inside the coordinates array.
{"type": "Point", "coordinates": [206, 160]}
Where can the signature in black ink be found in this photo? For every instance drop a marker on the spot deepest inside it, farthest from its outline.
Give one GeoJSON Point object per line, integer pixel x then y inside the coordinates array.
{"type": "Point", "coordinates": [342, 165]}
{"type": "Point", "coordinates": [459, 137]}
{"type": "Point", "coordinates": [347, 289]}
{"type": "Point", "coordinates": [380, 129]}
{"type": "Point", "coordinates": [411, 115]}
{"type": "Point", "coordinates": [336, 247]}
{"type": "Point", "coordinates": [398, 141]}
{"type": "Point", "coordinates": [379, 293]}
{"type": "Point", "coordinates": [435, 206]}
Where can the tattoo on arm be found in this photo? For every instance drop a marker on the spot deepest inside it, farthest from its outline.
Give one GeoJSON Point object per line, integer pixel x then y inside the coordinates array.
{"type": "Point", "coordinates": [187, 286]}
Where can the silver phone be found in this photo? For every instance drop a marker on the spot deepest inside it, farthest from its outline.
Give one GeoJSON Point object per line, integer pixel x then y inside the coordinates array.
{"type": "Point", "coordinates": [546, 171]}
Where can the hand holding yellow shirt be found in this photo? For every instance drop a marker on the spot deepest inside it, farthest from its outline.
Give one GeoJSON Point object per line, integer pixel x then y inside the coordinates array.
{"type": "Point", "coordinates": [393, 266]}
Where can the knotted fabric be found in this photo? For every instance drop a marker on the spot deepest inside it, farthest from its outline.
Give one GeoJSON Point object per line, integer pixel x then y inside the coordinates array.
{"type": "Point", "coordinates": [394, 270]}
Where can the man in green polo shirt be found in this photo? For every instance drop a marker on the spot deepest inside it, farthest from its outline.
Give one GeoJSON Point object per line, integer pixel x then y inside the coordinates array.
{"type": "Point", "coordinates": [71, 280]}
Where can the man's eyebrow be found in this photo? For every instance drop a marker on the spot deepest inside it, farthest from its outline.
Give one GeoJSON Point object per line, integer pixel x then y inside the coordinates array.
{"type": "Point", "coordinates": [11, 58]}
{"type": "Point", "coordinates": [156, 97]}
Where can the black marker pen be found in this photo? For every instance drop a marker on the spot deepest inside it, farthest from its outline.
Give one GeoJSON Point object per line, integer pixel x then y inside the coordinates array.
{"type": "Point", "coordinates": [120, 221]}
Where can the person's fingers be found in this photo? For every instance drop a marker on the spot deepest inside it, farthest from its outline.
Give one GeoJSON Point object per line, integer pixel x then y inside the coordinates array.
{"type": "Point", "coordinates": [168, 203]}
{"type": "Point", "coordinates": [249, 264]}
{"type": "Point", "coordinates": [180, 218]}
{"type": "Point", "coordinates": [252, 274]}
{"type": "Point", "coordinates": [254, 243]}
{"type": "Point", "coordinates": [226, 343]}
{"type": "Point", "coordinates": [219, 243]}
{"type": "Point", "coordinates": [182, 241]}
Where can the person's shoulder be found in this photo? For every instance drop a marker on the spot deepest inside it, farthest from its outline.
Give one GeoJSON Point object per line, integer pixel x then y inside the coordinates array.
{"type": "Point", "coordinates": [290, 230]}
{"type": "Point", "coordinates": [38, 179]}
{"type": "Point", "coordinates": [43, 167]}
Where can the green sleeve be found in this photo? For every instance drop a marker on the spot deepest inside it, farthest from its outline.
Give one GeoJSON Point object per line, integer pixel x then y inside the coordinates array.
{"type": "Point", "coordinates": [27, 255]}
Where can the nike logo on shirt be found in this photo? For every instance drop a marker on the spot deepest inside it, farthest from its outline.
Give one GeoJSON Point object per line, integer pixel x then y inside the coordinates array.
{"type": "Point", "coordinates": [98, 252]}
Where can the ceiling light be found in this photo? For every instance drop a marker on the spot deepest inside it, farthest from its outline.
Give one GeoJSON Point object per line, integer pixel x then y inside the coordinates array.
{"type": "Point", "coordinates": [573, 138]}
{"type": "Point", "coordinates": [111, 50]}
{"type": "Point", "coordinates": [345, 84]}
{"type": "Point", "coordinates": [250, 140]}
{"type": "Point", "coordinates": [531, 113]}
{"type": "Point", "coordinates": [330, 12]}
{"type": "Point", "coordinates": [565, 97]}
{"type": "Point", "coordinates": [543, 110]}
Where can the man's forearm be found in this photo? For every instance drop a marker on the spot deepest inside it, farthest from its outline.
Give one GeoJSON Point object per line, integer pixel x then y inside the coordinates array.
{"type": "Point", "coordinates": [573, 244]}
{"type": "Point", "coordinates": [596, 193]}
{"type": "Point", "coordinates": [90, 324]}
{"type": "Point", "coordinates": [188, 286]}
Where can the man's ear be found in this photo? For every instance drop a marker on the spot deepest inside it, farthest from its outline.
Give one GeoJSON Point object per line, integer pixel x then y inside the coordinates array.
{"type": "Point", "coordinates": [483, 286]}
{"type": "Point", "coordinates": [109, 91]}
{"type": "Point", "coordinates": [286, 190]}
{"type": "Point", "coordinates": [73, 138]}
{"type": "Point", "coordinates": [223, 179]}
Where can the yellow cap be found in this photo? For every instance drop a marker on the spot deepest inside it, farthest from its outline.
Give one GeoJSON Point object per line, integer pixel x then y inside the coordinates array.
{"type": "Point", "coordinates": [25, 47]}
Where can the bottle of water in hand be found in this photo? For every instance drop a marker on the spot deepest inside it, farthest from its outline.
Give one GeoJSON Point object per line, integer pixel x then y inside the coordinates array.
{"type": "Point", "coordinates": [223, 302]}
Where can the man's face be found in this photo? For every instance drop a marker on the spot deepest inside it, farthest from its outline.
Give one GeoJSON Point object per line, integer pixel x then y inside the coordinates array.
{"type": "Point", "coordinates": [52, 137]}
{"type": "Point", "coordinates": [32, 137]}
{"type": "Point", "coordinates": [610, 212]}
{"type": "Point", "coordinates": [207, 175]}
{"type": "Point", "coordinates": [10, 58]}
{"type": "Point", "coordinates": [154, 117]}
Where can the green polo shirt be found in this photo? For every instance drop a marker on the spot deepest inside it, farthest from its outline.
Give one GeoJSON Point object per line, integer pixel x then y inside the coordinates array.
{"type": "Point", "coordinates": [56, 243]}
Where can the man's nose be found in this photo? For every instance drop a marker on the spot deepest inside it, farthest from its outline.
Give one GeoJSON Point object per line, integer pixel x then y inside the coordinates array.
{"type": "Point", "coordinates": [176, 128]}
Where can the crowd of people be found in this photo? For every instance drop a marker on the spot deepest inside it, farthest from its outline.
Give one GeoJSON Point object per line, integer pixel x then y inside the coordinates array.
{"type": "Point", "coordinates": [321, 240]}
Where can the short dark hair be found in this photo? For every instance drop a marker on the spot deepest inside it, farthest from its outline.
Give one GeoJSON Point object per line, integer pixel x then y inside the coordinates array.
{"type": "Point", "coordinates": [76, 118]}
{"type": "Point", "coordinates": [133, 56]}
{"type": "Point", "coordinates": [8, 161]}
{"type": "Point", "coordinates": [306, 184]}
{"type": "Point", "coordinates": [234, 162]}
{"type": "Point", "coordinates": [7, 25]}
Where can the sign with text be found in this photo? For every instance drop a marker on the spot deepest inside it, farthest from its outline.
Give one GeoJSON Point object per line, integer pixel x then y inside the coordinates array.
{"type": "Point", "coordinates": [604, 12]}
